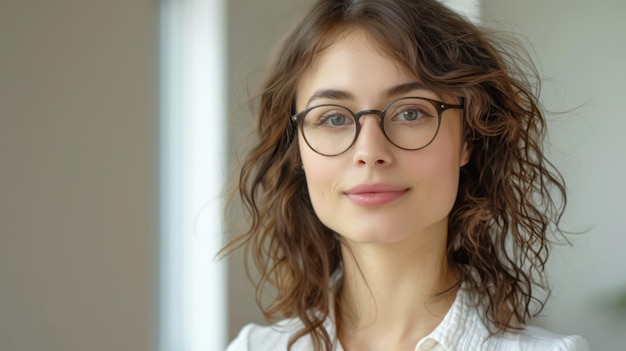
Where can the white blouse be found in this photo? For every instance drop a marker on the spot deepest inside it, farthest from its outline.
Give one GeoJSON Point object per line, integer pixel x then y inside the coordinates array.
{"type": "Point", "coordinates": [462, 329]}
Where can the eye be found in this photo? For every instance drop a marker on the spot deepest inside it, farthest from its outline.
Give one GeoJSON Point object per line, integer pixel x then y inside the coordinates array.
{"type": "Point", "coordinates": [410, 114]}
{"type": "Point", "coordinates": [334, 119]}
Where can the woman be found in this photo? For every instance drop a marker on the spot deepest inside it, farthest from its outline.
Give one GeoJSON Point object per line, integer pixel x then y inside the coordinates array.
{"type": "Point", "coordinates": [399, 195]}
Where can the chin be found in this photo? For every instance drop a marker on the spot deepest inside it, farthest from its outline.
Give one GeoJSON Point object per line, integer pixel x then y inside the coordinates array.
{"type": "Point", "coordinates": [379, 236]}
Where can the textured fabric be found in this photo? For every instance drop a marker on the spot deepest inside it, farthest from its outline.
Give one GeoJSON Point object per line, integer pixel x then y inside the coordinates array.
{"type": "Point", "coordinates": [461, 330]}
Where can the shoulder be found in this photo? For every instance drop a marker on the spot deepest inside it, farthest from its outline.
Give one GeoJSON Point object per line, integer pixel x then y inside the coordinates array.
{"type": "Point", "coordinates": [254, 337]}
{"type": "Point", "coordinates": [534, 338]}
{"type": "Point", "coordinates": [463, 328]}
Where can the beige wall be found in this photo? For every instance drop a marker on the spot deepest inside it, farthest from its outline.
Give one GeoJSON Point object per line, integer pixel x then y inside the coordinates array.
{"type": "Point", "coordinates": [78, 181]}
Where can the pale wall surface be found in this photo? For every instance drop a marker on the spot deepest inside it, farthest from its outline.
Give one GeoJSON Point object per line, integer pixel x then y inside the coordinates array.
{"type": "Point", "coordinates": [78, 175]}
{"type": "Point", "coordinates": [580, 47]}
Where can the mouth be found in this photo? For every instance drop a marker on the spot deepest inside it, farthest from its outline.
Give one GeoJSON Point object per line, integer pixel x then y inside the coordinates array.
{"type": "Point", "coordinates": [375, 194]}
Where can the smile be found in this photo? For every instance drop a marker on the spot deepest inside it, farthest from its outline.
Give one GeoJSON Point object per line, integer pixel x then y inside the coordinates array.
{"type": "Point", "coordinates": [375, 194]}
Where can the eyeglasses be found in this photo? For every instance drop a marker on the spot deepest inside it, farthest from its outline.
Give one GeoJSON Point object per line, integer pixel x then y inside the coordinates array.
{"type": "Point", "coordinates": [409, 123]}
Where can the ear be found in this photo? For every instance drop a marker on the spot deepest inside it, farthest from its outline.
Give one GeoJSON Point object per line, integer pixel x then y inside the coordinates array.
{"type": "Point", "coordinates": [466, 153]}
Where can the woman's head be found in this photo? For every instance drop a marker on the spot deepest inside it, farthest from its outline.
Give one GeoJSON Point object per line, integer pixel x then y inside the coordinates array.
{"type": "Point", "coordinates": [501, 169]}
{"type": "Point", "coordinates": [374, 176]}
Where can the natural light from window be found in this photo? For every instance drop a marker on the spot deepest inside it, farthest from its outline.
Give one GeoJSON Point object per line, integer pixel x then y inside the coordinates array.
{"type": "Point", "coordinates": [193, 109]}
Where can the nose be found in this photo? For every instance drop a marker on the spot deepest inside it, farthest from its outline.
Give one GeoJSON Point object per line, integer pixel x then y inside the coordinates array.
{"type": "Point", "coordinates": [372, 147]}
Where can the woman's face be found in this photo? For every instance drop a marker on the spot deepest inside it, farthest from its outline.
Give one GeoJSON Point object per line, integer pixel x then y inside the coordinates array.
{"type": "Point", "coordinates": [376, 192]}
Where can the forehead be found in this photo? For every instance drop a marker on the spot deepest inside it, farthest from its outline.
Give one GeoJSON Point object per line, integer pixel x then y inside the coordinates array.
{"type": "Point", "coordinates": [352, 61]}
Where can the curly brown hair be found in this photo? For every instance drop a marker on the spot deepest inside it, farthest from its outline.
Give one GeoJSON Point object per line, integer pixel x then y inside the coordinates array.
{"type": "Point", "coordinates": [510, 196]}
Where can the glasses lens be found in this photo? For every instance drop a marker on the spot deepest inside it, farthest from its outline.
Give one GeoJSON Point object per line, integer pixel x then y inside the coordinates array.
{"type": "Point", "coordinates": [329, 129]}
{"type": "Point", "coordinates": [411, 123]}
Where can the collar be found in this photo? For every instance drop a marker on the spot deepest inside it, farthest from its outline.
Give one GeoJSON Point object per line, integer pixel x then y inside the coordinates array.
{"type": "Point", "coordinates": [461, 328]}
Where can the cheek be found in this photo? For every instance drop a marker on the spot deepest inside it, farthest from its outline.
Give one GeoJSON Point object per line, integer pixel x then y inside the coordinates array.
{"type": "Point", "coordinates": [320, 191]}
{"type": "Point", "coordinates": [441, 173]}
{"type": "Point", "coordinates": [440, 170]}
{"type": "Point", "coordinates": [318, 174]}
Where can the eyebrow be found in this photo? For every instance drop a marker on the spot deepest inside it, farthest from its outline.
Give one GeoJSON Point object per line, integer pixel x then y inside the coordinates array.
{"type": "Point", "coordinates": [335, 94]}
{"type": "Point", "coordinates": [403, 88]}
{"type": "Point", "coordinates": [332, 94]}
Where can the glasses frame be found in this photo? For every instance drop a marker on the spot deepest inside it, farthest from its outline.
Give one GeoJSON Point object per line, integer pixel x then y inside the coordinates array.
{"type": "Point", "coordinates": [440, 106]}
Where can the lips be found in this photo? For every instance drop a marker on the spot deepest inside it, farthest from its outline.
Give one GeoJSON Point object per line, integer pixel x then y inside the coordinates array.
{"type": "Point", "coordinates": [375, 194]}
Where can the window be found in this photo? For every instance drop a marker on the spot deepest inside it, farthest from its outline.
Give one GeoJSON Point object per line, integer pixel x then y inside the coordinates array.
{"type": "Point", "coordinates": [193, 105]}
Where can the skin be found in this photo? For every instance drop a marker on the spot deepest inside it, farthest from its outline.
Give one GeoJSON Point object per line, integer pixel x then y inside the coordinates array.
{"type": "Point", "coordinates": [394, 253]}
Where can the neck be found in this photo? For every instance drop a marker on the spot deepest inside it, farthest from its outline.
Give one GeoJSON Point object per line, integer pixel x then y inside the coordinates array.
{"type": "Point", "coordinates": [394, 294]}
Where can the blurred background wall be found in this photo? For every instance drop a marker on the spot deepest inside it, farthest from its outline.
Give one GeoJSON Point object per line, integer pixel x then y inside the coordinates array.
{"type": "Point", "coordinates": [78, 175]}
